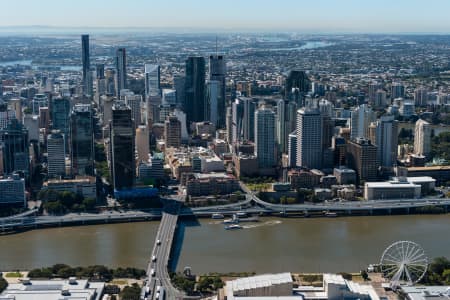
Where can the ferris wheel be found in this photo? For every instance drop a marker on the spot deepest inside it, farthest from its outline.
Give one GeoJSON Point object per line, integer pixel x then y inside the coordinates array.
{"type": "Point", "coordinates": [404, 262]}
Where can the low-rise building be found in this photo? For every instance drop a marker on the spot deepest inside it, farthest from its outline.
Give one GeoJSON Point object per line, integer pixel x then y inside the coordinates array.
{"type": "Point", "coordinates": [345, 175]}
{"type": "Point", "coordinates": [82, 185]}
{"type": "Point", "coordinates": [427, 183]}
{"type": "Point", "coordinates": [12, 191]}
{"type": "Point", "coordinates": [281, 287]}
{"type": "Point", "coordinates": [323, 194]}
{"type": "Point", "coordinates": [153, 169]}
{"type": "Point", "coordinates": [259, 287]}
{"type": "Point", "coordinates": [426, 292]}
{"type": "Point", "coordinates": [394, 189]}
{"type": "Point", "coordinates": [68, 289]}
{"type": "Point", "coordinates": [211, 184]}
{"type": "Point", "coordinates": [301, 179]}
{"type": "Point", "coordinates": [440, 173]}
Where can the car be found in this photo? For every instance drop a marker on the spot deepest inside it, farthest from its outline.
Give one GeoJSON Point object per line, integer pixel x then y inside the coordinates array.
{"type": "Point", "coordinates": [153, 258]}
{"type": "Point", "coordinates": [158, 242]}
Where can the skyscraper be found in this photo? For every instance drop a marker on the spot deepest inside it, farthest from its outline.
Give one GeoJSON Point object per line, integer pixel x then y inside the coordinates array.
{"type": "Point", "coordinates": [86, 65]}
{"type": "Point", "coordinates": [82, 140]}
{"type": "Point", "coordinates": [56, 154]}
{"type": "Point", "coordinates": [6, 115]}
{"type": "Point", "coordinates": [134, 102]}
{"type": "Point", "coordinates": [386, 140]}
{"type": "Point", "coordinates": [122, 135]}
{"type": "Point", "coordinates": [152, 80]}
{"type": "Point", "coordinates": [286, 122]}
{"type": "Point", "coordinates": [265, 146]}
{"type": "Point", "coordinates": [397, 90]}
{"type": "Point", "coordinates": [374, 86]}
{"type": "Point", "coordinates": [60, 111]}
{"type": "Point", "coordinates": [121, 70]}
{"type": "Point", "coordinates": [422, 138]}
{"type": "Point", "coordinates": [195, 89]}
{"type": "Point", "coordinates": [213, 109]}
{"type": "Point", "coordinates": [15, 147]}
{"type": "Point", "coordinates": [292, 149]}
{"type": "Point", "coordinates": [142, 143]}
{"type": "Point", "coordinates": [309, 138]}
{"type": "Point", "coordinates": [362, 157]}
{"type": "Point", "coordinates": [420, 96]}
{"type": "Point", "coordinates": [172, 132]}
{"type": "Point", "coordinates": [361, 117]}
{"type": "Point", "coordinates": [243, 119]}
{"type": "Point", "coordinates": [217, 72]}
{"type": "Point", "coordinates": [296, 87]}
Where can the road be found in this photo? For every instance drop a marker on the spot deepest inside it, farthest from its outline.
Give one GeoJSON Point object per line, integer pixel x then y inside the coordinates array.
{"type": "Point", "coordinates": [158, 266]}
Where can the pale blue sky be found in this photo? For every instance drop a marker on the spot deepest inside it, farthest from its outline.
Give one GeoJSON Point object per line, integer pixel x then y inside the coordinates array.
{"type": "Point", "coordinates": [300, 15]}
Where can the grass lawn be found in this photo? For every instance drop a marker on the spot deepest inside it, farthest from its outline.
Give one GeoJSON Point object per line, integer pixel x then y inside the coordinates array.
{"type": "Point", "coordinates": [13, 275]}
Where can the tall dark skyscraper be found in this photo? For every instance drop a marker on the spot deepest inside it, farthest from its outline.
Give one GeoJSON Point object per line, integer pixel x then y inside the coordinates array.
{"type": "Point", "coordinates": [60, 111]}
{"type": "Point", "coordinates": [122, 147]}
{"type": "Point", "coordinates": [121, 70]}
{"type": "Point", "coordinates": [297, 85]}
{"type": "Point", "coordinates": [82, 140]}
{"type": "Point", "coordinates": [195, 89]}
{"type": "Point", "coordinates": [217, 72]}
{"type": "Point", "coordinates": [86, 63]}
{"type": "Point", "coordinates": [14, 138]}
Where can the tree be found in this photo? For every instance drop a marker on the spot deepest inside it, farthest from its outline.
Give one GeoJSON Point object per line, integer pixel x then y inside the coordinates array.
{"type": "Point", "coordinates": [364, 275]}
{"type": "Point", "coordinates": [3, 284]}
{"type": "Point", "coordinates": [446, 276]}
{"type": "Point", "coordinates": [132, 292]}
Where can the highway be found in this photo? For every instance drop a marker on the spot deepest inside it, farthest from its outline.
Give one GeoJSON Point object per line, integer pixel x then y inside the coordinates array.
{"type": "Point", "coordinates": [252, 205]}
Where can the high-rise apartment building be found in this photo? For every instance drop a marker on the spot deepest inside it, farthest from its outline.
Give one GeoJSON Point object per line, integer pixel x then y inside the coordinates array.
{"type": "Point", "coordinates": [121, 70]}
{"type": "Point", "coordinates": [386, 140]}
{"type": "Point", "coordinates": [422, 138]}
{"type": "Point", "coordinates": [122, 136]}
{"type": "Point", "coordinates": [265, 142]}
{"type": "Point", "coordinates": [82, 140]}
{"type": "Point", "coordinates": [397, 90]}
{"type": "Point", "coordinates": [309, 138]}
{"type": "Point", "coordinates": [195, 89]}
{"type": "Point", "coordinates": [421, 96]}
{"type": "Point", "coordinates": [374, 86]}
{"type": "Point", "coordinates": [286, 122]}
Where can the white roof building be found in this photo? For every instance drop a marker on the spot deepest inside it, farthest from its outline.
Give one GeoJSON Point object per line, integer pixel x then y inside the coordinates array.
{"type": "Point", "coordinates": [53, 290]}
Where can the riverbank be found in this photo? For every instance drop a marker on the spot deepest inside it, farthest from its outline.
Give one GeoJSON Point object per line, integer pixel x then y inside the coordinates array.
{"type": "Point", "coordinates": [18, 225]}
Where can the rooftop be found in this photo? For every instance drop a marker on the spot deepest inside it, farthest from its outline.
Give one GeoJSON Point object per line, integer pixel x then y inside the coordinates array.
{"type": "Point", "coordinates": [53, 290]}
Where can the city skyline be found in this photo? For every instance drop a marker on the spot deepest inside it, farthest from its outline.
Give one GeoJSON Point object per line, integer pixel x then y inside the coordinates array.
{"type": "Point", "coordinates": [323, 16]}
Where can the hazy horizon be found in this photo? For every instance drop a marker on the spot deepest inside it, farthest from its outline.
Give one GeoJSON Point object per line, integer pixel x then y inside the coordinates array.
{"type": "Point", "coordinates": [320, 16]}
